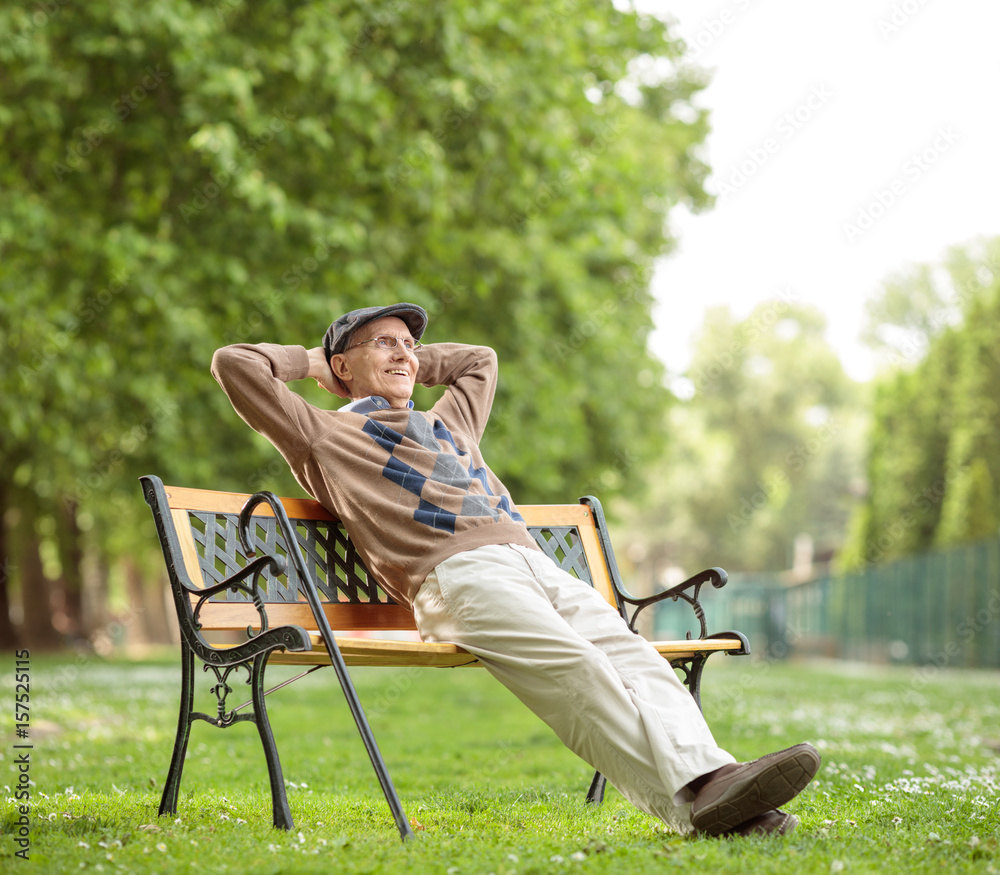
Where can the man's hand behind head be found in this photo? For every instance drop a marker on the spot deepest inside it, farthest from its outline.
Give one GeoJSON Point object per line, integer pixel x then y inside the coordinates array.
{"type": "Point", "coordinates": [319, 370]}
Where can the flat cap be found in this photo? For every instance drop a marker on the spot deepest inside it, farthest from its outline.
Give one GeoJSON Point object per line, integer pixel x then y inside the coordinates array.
{"type": "Point", "coordinates": [338, 335]}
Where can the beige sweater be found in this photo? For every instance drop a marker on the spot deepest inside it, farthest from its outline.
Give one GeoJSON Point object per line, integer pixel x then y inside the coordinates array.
{"type": "Point", "coordinates": [411, 487]}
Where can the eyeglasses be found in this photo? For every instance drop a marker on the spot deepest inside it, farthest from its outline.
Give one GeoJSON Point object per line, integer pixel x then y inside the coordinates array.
{"type": "Point", "coordinates": [387, 341]}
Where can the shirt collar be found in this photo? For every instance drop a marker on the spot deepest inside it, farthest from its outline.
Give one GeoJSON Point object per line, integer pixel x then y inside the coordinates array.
{"type": "Point", "coordinates": [369, 405]}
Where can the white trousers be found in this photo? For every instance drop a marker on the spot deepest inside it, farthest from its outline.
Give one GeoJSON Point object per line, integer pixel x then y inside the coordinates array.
{"type": "Point", "coordinates": [555, 643]}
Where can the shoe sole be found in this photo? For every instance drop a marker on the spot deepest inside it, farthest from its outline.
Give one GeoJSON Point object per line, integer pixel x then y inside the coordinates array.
{"type": "Point", "coordinates": [780, 777]}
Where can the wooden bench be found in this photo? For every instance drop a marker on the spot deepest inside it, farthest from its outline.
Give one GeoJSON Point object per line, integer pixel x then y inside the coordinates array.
{"type": "Point", "coordinates": [280, 575]}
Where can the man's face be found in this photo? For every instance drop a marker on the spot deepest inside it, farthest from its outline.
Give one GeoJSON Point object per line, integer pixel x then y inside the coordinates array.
{"type": "Point", "coordinates": [368, 370]}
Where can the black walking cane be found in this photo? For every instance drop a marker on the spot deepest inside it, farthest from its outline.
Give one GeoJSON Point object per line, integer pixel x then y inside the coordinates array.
{"type": "Point", "coordinates": [337, 660]}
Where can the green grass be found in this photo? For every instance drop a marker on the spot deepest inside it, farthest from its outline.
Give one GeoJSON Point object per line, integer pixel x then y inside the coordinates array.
{"type": "Point", "coordinates": [909, 782]}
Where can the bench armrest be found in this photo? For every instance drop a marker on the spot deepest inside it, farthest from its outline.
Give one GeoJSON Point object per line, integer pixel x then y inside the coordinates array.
{"type": "Point", "coordinates": [235, 583]}
{"type": "Point", "coordinates": [716, 576]}
{"type": "Point", "coordinates": [263, 639]}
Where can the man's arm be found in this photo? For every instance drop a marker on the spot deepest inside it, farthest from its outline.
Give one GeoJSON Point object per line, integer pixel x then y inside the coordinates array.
{"type": "Point", "coordinates": [469, 372]}
{"type": "Point", "coordinates": [253, 376]}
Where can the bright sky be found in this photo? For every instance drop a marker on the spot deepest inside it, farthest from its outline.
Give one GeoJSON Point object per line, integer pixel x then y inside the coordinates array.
{"type": "Point", "coordinates": [849, 141]}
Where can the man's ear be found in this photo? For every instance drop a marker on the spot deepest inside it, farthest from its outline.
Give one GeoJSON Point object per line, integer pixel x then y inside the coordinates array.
{"type": "Point", "coordinates": [341, 369]}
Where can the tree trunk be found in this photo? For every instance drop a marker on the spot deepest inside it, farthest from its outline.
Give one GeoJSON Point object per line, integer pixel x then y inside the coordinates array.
{"type": "Point", "coordinates": [9, 638]}
{"type": "Point", "coordinates": [96, 590]}
{"type": "Point", "coordinates": [71, 584]}
{"type": "Point", "coordinates": [137, 621]}
{"type": "Point", "coordinates": [158, 615]}
{"type": "Point", "coordinates": [37, 630]}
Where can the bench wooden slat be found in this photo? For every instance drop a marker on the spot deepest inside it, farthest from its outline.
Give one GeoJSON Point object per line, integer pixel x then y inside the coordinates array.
{"type": "Point", "coordinates": [389, 652]}
{"type": "Point", "coordinates": [214, 501]}
{"type": "Point", "coordinates": [384, 652]}
{"type": "Point", "coordinates": [189, 550]}
{"type": "Point", "coordinates": [236, 616]}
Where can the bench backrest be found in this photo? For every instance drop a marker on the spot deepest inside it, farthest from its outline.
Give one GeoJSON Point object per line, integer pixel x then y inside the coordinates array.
{"type": "Point", "coordinates": [205, 539]}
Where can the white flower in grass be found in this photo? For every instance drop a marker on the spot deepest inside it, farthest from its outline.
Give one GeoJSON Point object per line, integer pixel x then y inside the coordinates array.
{"type": "Point", "coordinates": [837, 866]}
{"type": "Point", "coordinates": [514, 858]}
{"type": "Point", "coordinates": [933, 837]}
{"type": "Point", "coordinates": [974, 842]}
{"type": "Point", "coordinates": [83, 845]}
{"type": "Point", "coordinates": [556, 858]}
{"type": "Point", "coordinates": [161, 847]}
{"type": "Point", "coordinates": [578, 856]}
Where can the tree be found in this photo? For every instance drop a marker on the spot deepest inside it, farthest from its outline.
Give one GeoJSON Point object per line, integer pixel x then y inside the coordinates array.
{"type": "Point", "coordinates": [934, 462]}
{"type": "Point", "coordinates": [766, 449]}
{"type": "Point", "coordinates": [178, 176]}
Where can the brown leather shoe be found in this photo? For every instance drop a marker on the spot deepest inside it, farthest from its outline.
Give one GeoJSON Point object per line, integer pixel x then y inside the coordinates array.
{"type": "Point", "coordinates": [741, 792]}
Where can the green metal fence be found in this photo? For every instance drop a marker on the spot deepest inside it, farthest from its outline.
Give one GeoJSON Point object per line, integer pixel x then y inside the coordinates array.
{"type": "Point", "coordinates": [940, 608]}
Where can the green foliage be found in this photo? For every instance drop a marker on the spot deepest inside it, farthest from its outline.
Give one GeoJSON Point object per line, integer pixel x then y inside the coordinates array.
{"type": "Point", "coordinates": [934, 464]}
{"type": "Point", "coordinates": [178, 176]}
{"type": "Point", "coordinates": [765, 449]}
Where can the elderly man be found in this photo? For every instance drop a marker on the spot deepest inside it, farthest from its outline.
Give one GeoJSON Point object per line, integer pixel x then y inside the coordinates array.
{"type": "Point", "coordinates": [441, 534]}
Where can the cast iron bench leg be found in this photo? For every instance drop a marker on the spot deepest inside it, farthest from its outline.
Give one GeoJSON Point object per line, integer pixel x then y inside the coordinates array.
{"type": "Point", "coordinates": [172, 787]}
{"type": "Point", "coordinates": [282, 814]}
